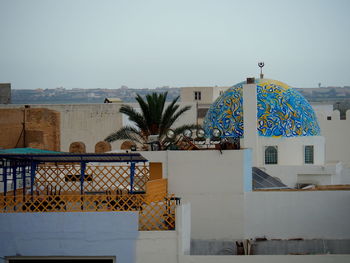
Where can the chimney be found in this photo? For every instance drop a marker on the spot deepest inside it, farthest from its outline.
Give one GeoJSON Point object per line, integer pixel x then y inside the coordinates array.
{"type": "Point", "coordinates": [250, 80]}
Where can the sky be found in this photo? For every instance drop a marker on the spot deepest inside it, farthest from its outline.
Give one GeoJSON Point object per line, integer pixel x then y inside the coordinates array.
{"type": "Point", "coordinates": [153, 43]}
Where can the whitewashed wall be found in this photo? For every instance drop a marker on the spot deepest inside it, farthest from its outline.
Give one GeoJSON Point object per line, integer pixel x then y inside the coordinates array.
{"type": "Point", "coordinates": [251, 137]}
{"type": "Point", "coordinates": [337, 134]}
{"type": "Point", "coordinates": [291, 150]}
{"type": "Point", "coordinates": [206, 180]}
{"type": "Point", "coordinates": [156, 246]}
{"type": "Point", "coordinates": [322, 108]}
{"type": "Point", "coordinates": [344, 172]}
{"type": "Point", "coordinates": [214, 184]}
{"type": "Point", "coordinates": [166, 246]}
{"type": "Point", "coordinates": [267, 259]}
{"type": "Point", "coordinates": [308, 215]}
{"type": "Point", "coordinates": [113, 234]}
{"type": "Point", "coordinates": [183, 228]}
{"type": "Point", "coordinates": [89, 123]}
{"type": "Point", "coordinates": [314, 174]}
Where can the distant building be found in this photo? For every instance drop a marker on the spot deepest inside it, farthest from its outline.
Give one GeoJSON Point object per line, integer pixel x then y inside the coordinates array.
{"type": "Point", "coordinates": [5, 93]}
{"type": "Point", "coordinates": [112, 100]}
{"type": "Point", "coordinates": [202, 96]}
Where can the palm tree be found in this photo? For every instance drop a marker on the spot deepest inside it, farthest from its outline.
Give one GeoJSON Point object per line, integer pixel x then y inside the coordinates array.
{"type": "Point", "coordinates": [154, 119]}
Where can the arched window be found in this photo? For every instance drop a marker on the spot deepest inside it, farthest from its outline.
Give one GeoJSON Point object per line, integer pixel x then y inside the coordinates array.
{"type": "Point", "coordinates": [271, 155]}
{"type": "Point", "coordinates": [309, 154]}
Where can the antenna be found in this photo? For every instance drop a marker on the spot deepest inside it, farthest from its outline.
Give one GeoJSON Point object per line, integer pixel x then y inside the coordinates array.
{"type": "Point", "coordinates": [261, 65]}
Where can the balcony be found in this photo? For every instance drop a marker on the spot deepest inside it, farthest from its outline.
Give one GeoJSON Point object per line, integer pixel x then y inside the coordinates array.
{"type": "Point", "coordinates": [38, 183]}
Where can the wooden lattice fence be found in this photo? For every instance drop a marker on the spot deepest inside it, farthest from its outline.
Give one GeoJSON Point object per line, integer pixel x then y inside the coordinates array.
{"type": "Point", "coordinates": [67, 178]}
{"type": "Point", "coordinates": [155, 214]}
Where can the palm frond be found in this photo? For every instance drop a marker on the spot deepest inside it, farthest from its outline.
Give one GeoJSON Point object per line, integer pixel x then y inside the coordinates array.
{"type": "Point", "coordinates": [156, 103]}
{"type": "Point", "coordinates": [167, 115]}
{"type": "Point", "coordinates": [144, 109]}
{"type": "Point", "coordinates": [152, 109]}
{"type": "Point", "coordinates": [126, 133]}
{"type": "Point", "coordinates": [154, 118]}
{"type": "Point", "coordinates": [173, 118]}
{"type": "Point", "coordinates": [135, 117]}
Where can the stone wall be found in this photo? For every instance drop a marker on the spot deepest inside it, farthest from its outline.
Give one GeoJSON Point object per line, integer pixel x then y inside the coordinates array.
{"type": "Point", "coordinates": [86, 123]}
{"type": "Point", "coordinates": [28, 127]}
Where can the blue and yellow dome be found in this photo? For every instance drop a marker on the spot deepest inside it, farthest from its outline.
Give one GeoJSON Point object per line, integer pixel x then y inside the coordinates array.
{"type": "Point", "coordinates": [282, 112]}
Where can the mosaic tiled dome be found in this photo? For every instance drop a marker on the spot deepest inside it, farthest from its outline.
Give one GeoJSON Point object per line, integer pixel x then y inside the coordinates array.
{"type": "Point", "coordinates": [282, 112]}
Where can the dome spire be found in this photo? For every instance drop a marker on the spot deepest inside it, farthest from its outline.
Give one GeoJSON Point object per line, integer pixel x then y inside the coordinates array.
{"type": "Point", "coordinates": [261, 65]}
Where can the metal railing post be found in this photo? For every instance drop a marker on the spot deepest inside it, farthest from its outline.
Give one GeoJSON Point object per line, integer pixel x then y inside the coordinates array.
{"type": "Point", "coordinates": [32, 177]}
{"type": "Point", "coordinates": [82, 176]}
{"type": "Point", "coordinates": [4, 179]}
{"type": "Point", "coordinates": [132, 175]}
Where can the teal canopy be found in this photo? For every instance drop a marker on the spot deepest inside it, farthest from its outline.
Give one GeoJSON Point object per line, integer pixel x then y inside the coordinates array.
{"type": "Point", "coordinates": [26, 151]}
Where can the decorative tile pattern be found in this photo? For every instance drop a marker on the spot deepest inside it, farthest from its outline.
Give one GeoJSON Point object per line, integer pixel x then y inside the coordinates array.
{"type": "Point", "coordinates": [282, 112]}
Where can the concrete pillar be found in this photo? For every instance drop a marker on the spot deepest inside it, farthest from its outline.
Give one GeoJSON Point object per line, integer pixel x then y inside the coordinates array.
{"type": "Point", "coordinates": [250, 113]}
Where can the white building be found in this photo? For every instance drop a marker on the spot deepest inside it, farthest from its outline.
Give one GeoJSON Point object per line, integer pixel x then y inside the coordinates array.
{"type": "Point", "coordinates": [279, 133]}
{"type": "Point", "coordinates": [282, 129]}
{"type": "Point", "coordinates": [202, 97]}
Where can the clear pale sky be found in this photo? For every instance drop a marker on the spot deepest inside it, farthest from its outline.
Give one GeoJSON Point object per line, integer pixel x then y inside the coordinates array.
{"type": "Point", "coordinates": [148, 44]}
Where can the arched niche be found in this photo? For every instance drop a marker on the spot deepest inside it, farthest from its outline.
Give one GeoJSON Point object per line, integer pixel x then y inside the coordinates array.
{"type": "Point", "coordinates": [77, 147]}
{"type": "Point", "coordinates": [102, 147]}
{"type": "Point", "coordinates": [127, 145]}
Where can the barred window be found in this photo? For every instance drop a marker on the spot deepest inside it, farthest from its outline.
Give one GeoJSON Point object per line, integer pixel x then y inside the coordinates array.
{"type": "Point", "coordinates": [271, 155]}
{"type": "Point", "coordinates": [197, 95]}
{"type": "Point", "coordinates": [309, 154]}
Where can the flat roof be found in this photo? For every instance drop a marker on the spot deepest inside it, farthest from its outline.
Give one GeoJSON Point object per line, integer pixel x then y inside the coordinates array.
{"type": "Point", "coordinates": [73, 157]}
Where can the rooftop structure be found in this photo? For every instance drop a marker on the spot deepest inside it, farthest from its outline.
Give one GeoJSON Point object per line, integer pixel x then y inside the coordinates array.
{"type": "Point", "coordinates": [45, 181]}
{"type": "Point", "coordinates": [281, 112]}
{"type": "Point", "coordinates": [5, 93]}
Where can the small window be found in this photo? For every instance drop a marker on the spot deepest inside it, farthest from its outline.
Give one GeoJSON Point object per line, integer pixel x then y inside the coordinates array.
{"type": "Point", "coordinates": [309, 154]}
{"type": "Point", "coordinates": [221, 92]}
{"type": "Point", "coordinates": [271, 156]}
{"type": "Point", "coordinates": [197, 95]}
{"type": "Point", "coordinates": [329, 118]}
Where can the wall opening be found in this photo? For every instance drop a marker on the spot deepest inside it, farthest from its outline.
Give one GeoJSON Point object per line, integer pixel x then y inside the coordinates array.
{"type": "Point", "coordinates": [271, 155]}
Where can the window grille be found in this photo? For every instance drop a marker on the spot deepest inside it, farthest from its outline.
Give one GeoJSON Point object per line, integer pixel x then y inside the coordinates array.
{"type": "Point", "coordinates": [197, 95]}
{"type": "Point", "coordinates": [271, 155]}
{"type": "Point", "coordinates": [309, 154]}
